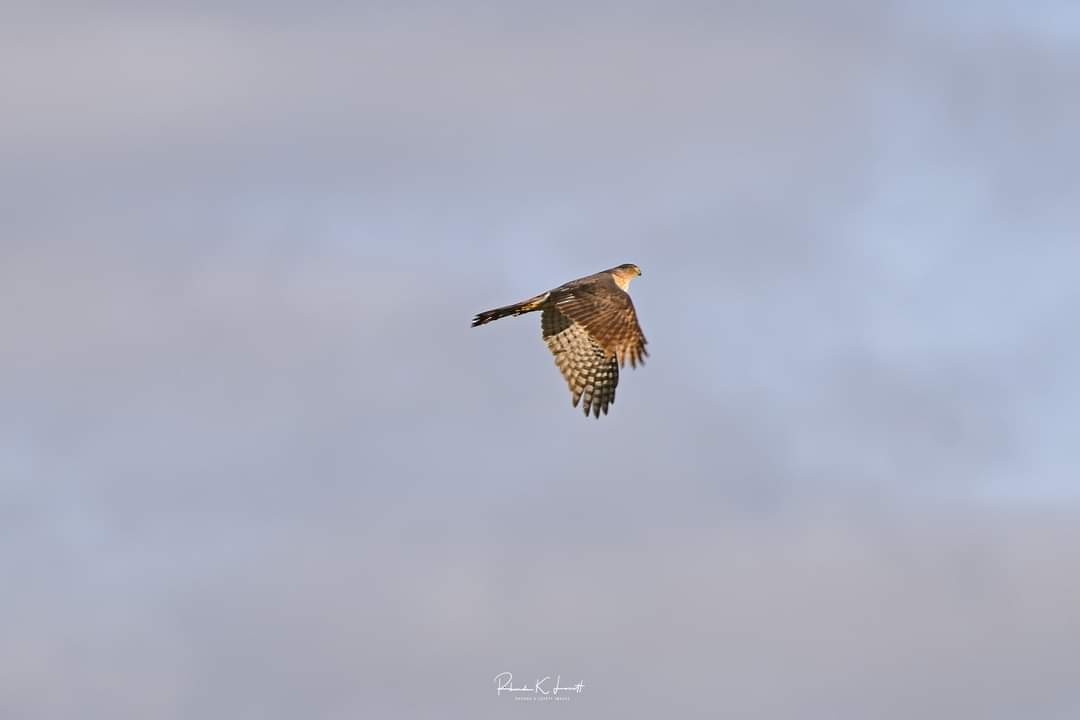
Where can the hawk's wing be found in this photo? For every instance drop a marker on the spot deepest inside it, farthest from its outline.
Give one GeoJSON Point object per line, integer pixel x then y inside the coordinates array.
{"type": "Point", "coordinates": [607, 314]}
{"type": "Point", "coordinates": [590, 371]}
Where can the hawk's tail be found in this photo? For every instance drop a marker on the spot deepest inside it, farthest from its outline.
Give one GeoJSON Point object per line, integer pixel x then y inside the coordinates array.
{"type": "Point", "coordinates": [530, 305]}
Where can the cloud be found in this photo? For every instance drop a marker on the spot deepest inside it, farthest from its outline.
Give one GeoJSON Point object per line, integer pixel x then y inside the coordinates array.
{"type": "Point", "coordinates": [258, 464]}
{"type": "Point", "coordinates": [942, 614]}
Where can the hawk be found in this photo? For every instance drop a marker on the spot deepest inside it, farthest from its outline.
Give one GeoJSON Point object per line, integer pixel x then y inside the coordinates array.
{"type": "Point", "coordinates": [590, 326]}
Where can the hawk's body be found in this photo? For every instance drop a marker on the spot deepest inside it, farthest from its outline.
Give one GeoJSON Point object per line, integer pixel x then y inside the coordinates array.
{"type": "Point", "coordinates": [591, 328]}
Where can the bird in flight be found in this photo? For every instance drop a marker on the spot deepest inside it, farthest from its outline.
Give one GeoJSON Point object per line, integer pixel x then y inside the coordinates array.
{"type": "Point", "coordinates": [590, 326]}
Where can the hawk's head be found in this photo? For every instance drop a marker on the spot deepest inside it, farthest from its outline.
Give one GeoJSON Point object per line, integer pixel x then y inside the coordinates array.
{"type": "Point", "coordinates": [624, 273]}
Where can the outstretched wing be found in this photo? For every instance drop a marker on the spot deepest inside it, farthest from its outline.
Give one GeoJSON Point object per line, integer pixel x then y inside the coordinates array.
{"type": "Point", "coordinates": [607, 313]}
{"type": "Point", "coordinates": [591, 372]}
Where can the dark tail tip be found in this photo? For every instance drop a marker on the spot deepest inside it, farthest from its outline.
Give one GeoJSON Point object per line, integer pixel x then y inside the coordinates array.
{"type": "Point", "coordinates": [484, 317]}
{"type": "Point", "coordinates": [489, 315]}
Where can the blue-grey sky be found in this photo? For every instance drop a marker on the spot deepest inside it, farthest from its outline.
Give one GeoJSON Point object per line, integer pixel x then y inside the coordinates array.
{"type": "Point", "coordinates": [254, 463]}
